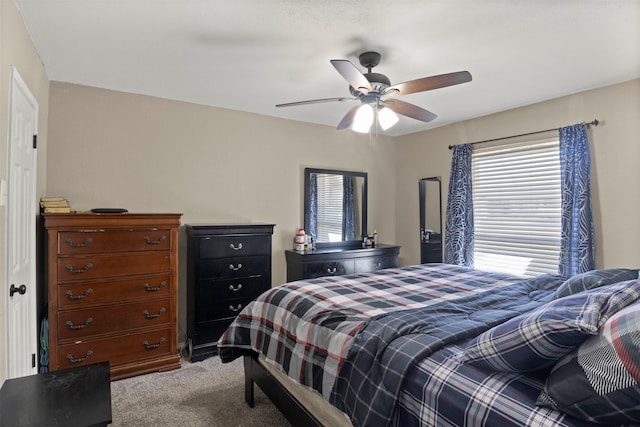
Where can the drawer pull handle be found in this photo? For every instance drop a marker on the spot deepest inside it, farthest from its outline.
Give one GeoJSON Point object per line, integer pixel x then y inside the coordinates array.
{"type": "Point", "coordinates": [79, 245]}
{"type": "Point", "coordinates": [150, 289]}
{"type": "Point", "coordinates": [232, 267]}
{"type": "Point", "coordinates": [153, 316]}
{"type": "Point", "coordinates": [235, 288]}
{"type": "Point", "coordinates": [70, 324]}
{"type": "Point", "coordinates": [148, 240]}
{"type": "Point", "coordinates": [86, 268]}
{"type": "Point", "coordinates": [79, 359]}
{"type": "Point", "coordinates": [152, 346]}
{"type": "Point", "coordinates": [236, 248]}
{"type": "Point", "coordinates": [70, 294]}
{"type": "Point", "coordinates": [378, 265]}
{"type": "Point", "coordinates": [235, 309]}
{"type": "Point", "coordinates": [331, 270]}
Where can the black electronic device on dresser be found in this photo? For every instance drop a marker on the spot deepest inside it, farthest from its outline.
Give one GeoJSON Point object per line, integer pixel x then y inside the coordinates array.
{"type": "Point", "coordinates": [228, 266]}
{"type": "Point", "coordinates": [336, 261]}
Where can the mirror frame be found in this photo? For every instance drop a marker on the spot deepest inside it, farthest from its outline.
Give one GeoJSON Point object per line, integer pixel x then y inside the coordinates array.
{"type": "Point", "coordinates": [422, 191]}
{"type": "Point", "coordinates": [307, 203]}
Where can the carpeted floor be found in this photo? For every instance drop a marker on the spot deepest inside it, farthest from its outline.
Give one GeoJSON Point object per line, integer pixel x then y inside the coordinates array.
{"type": "Point", "coordinates": [207, 393]}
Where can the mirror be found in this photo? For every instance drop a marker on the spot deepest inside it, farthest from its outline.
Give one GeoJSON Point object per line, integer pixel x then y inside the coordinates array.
{"type": "Point", "coordinates": [430, 220]}
{"type": "Point", "coordinates": [335, 206]}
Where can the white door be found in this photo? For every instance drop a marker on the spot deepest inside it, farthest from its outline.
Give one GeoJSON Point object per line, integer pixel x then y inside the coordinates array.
{"type": "Point", "coordinates": [22, 322]}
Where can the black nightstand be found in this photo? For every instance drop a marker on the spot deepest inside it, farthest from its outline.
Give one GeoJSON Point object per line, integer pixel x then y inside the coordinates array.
{"type": "Point", "coordinates": [74, 397]}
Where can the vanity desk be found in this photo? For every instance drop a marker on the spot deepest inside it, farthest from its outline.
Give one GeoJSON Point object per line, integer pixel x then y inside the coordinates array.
{"type": "Point", "coordinates": [338, 261]}
{"type": "Point", "coordinates": [335, 214]}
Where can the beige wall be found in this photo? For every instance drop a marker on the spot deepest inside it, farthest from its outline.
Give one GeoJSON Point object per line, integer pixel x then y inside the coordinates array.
{"type": "Point", "coordinates": [615, 153]}
{"type": "Point", "coordinates": [17, 50]}
{"type": "Point", "coordinates": [113, 149]}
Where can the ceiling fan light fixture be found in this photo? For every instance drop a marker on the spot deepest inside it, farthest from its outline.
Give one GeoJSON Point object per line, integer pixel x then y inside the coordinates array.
{"type": "Point", "coordinates": [363, 119]}
{"type": "Point", "coordinates": [387, 118]}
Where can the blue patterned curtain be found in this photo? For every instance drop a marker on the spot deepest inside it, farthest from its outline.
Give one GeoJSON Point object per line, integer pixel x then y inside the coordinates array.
{"type": "Point", "coordinates": [577, 235]}
{"type": "Point", "coordinates": [458, 248]}
{"type": "Point", "coordinates": [349, 213]}
{"type": "Point", "coordinates": [313, 206]}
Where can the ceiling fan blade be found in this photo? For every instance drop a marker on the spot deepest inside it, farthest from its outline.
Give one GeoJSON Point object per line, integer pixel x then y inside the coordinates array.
{"type": "Point", "coordinates": [351, 74]}
{"type": "Point", "coordinates": [347, 120]}
{"type": "Point", "coordinates": [315, 101]}
{"type": "Point", "coordinates": [410, 110]}
{"type": "Point", "coordinates": [429, 83]}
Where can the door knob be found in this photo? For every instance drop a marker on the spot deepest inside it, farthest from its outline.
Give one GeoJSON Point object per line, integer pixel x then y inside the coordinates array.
{"type": "Point", "coordinates": [20, 289]}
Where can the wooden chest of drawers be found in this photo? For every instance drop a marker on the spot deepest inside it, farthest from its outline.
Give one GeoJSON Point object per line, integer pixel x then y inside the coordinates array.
{"type": "Point", "coordinates": [338, 262]}
{"type": "Point", "coordinates": [228, 266]}
{"type": "Point", "coordinates": [112, 289]}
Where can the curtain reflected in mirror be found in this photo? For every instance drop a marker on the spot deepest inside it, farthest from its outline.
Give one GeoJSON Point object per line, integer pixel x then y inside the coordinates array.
{"type": "Point", "coordinates": [335, 205]}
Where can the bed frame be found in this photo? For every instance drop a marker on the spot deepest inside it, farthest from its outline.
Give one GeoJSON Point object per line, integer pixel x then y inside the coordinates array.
{"type": "Point", "coordinates": [291, 408]}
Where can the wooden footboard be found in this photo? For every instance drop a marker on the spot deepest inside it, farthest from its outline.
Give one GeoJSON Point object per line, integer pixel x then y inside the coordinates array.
{"type": "Point", "coordinates": [290, 407]}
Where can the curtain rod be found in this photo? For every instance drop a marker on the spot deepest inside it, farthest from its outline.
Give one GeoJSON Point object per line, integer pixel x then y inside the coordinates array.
{"type": "Point", "coordinates": [595, 122]}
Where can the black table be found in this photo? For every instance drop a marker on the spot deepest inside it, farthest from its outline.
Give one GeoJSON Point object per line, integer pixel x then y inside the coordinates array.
{"type": "Point", "coordinates": [76, 397]}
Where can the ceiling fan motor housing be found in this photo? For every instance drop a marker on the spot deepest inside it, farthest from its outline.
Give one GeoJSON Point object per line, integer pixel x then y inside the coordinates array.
{"type": "Point", "coordinates": [379, 82]}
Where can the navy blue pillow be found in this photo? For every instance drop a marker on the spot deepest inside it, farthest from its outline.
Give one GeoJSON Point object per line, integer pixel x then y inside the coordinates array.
{"type": "Point", "coordinates": [593, 279]}
{"type": "Point", "coordinates": [539, 338]}
{"type": "Point", "coordinates": [598, 382]}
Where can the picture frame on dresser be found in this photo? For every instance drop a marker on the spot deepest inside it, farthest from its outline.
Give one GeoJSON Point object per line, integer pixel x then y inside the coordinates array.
{"type": "Point", "coordinates": [228, 266]}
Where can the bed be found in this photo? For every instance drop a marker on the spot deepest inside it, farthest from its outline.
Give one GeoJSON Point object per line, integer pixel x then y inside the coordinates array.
{"type": "Point", "coordinates": [446, 345]}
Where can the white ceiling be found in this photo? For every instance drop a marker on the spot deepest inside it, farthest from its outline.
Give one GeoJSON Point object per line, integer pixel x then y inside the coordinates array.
{"type": "Point", "coordinates": [249, 55]}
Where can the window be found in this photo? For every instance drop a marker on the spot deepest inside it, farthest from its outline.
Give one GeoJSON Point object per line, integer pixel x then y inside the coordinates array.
{"type": "Point", "coordinates": [517, 207]}
{"type": "Point", "coordinates": [330, 211]}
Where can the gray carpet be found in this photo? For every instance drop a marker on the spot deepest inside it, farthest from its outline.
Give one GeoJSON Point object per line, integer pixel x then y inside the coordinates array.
{"type": "Point", "coordinates": [207, 393]}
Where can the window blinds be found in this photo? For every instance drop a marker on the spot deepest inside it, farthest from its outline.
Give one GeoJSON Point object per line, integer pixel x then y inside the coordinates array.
{"type": "Point", "coordinates": [517, 207]}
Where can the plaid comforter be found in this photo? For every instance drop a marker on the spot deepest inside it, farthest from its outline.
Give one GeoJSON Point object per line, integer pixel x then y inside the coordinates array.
{"type": "Point", "coordinates": [441, 391]}
{"type": "Point", "coordinates": [389, 346]}
{"type": "Point", "coordinates": [316, 330]}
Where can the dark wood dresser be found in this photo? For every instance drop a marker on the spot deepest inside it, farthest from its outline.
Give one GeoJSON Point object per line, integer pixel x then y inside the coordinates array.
{"type": "Point", "coordinates": [228, 265]}
{"type": "Point", "coordinates": [112, 283]}
{"type": "Point", "coordinates": [339, 261]}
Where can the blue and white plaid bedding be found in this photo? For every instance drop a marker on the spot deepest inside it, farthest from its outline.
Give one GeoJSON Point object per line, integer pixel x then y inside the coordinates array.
{"type": "Point", "coordinates": [440, 391]}
{"type": "Point", "coordinates": [390, 345]}
{"type": "Point", "coordinates": [355, 339]}
{"type": "Point", "coordinates": [306, 328]}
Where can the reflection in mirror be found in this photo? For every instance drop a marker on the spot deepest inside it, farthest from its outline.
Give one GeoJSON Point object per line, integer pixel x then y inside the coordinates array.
{"type": "Point", "coordinates": [430, 220]}
{"type": "Point", "coordinates": [335, 206]}
{"type": "Point", "coordinates": [431, 205]}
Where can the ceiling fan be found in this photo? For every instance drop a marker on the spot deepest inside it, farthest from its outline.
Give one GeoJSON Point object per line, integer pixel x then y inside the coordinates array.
{"type": "Point", "coordinates": [370, 88]}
